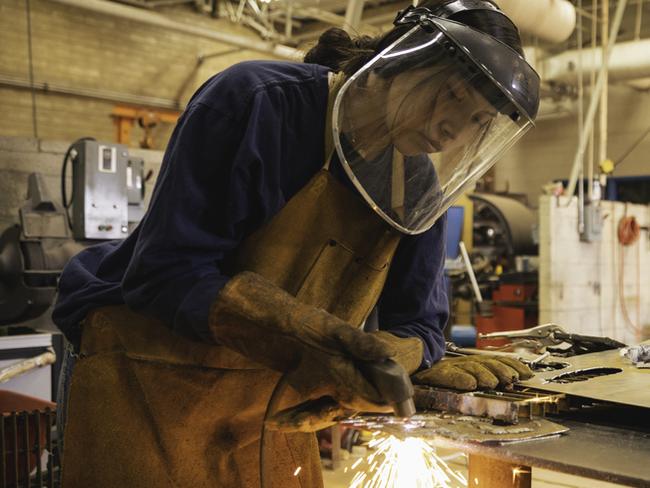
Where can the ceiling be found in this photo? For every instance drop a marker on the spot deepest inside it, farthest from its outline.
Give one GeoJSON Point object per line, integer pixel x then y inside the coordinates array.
{"type": "Point", "coordinates": [296, 22]}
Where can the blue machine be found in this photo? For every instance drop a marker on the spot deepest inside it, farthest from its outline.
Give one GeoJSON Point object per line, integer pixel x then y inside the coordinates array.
{"type": "Point", "coordinates": [461, 335]}
{"type": "Point", "coordinates": [455, 219]}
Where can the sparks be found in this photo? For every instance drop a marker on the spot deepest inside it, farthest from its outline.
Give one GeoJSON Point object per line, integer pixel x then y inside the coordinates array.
{"type": "Point", "coordinates": [297, 471]}
{"type": "Point", "coordinates": [410, 463]}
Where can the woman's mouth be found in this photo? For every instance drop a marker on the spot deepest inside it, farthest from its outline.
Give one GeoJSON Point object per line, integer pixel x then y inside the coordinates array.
{"type": "Point", "coordinates": [429, 145]}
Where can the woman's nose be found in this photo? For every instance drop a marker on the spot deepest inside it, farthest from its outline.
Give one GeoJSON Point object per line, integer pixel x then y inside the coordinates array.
{"type": "Point", "coordinates": [447, 131]}
{"type": "Point", "coordinates": [455, 122]}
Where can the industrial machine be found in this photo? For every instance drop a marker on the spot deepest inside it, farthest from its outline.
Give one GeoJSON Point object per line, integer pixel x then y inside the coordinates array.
{"type": "Point", "coordinates": [503, 290]}
{"type": "Point", "coordinates": [107, 202]}
{"type": "Point", "coordinates": [32, 255]}
{"type": "Point", "coordinates": [504, 228]}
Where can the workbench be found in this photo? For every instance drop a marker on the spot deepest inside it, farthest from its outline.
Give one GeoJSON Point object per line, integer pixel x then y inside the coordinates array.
{"type": "Point", "coordinates": [614, 454]}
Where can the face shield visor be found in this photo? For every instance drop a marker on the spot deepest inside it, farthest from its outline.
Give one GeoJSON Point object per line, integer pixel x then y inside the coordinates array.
{"type": "Point", "coordinates": [428, 116]}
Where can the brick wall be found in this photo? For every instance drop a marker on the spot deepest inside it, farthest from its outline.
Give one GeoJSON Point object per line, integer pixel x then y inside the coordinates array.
{"type": "Point", "coordinates": [73, 47]}
{"type": "Point", "coordinates": [582, 285]}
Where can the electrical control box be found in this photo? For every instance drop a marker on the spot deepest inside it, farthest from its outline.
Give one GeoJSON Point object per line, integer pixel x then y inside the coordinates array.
{"type": "Point", "coordinates": [100, 196]}
{"type": "Point", "coordinates": [593, 218]}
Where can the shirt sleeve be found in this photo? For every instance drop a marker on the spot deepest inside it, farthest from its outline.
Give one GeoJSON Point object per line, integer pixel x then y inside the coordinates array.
{"type": "Point", "coordinates": [199, 212]}
{"type": "Point", "coordinates": [414, 300]}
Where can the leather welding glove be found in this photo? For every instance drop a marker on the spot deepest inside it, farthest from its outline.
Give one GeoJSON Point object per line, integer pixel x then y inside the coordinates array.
{"type": "Point", "coordinates": [474, 372]}
{"type": "Point", "coordinates": [318, 352]}
{"type": "Point", "coordinates": [407, 351]}
{"type": "Point", "coordinates": [323, 412]}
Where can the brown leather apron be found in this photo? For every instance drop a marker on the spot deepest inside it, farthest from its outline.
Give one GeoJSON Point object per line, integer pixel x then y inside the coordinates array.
{"type": "Point", "coordinates": [149, 408]}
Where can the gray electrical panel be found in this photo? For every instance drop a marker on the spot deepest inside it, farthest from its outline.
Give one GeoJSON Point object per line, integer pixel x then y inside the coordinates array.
{"type": "Point", "coordinates": [593, 219]}
{"type": "Point", "coordinates": [100, 199]}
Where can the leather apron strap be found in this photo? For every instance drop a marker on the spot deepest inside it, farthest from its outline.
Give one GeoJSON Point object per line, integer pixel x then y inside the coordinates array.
{"type": "Point", "coordinates": [336, 82]}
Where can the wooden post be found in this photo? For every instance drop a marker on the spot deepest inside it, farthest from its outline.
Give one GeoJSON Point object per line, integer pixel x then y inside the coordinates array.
{"type": "Point", "coordinates": [491, 473]}
{"type": "Point", "coordinates": [336, 446]}
{"type": "Point", "coordinates": [123, 128]}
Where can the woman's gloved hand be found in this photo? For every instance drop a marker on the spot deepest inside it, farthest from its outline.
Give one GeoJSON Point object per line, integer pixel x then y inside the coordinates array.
{"type": "Point", "coordinates": [321, 413]}
{"type": "Point", "coordinates": [474, 372]}
{"type": "Point", "coordinates": [318, 352]}
{"type": "Point", "coordinates": [407, 351]}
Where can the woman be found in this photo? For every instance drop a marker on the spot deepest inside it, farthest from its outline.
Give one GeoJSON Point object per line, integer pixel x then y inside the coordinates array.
{"type": "Point", "coordinates": [293, 198]}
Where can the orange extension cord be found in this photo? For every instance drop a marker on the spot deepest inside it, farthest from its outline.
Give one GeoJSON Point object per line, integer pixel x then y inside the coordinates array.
{"type": "Point", "coordinates": [629, 232]}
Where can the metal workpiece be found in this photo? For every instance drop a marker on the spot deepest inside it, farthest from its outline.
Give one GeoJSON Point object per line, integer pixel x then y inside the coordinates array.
{"type": "Point", "coordinates": [450, 427]}
{"type": "Point", "coordinates": [508, 407]}
{"type": "Point", "coordinates": [603, 376]}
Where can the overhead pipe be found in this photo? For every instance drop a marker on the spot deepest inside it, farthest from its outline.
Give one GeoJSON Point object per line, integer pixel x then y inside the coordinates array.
{"type": "Point", "coordinates": [629, 61]}
{"type": "Point", "coordinates": [106, 95]}
{"type": "Point", "coordinates": [550, 20]}
{"type": "Point", "coordinates": [135, 14]}
{"type": "Point", "coordinates": [604, 102]}
{"type": "Point", "coordinates": [595, 98]}
{"type": "Point", "coordinates": [353, 14]}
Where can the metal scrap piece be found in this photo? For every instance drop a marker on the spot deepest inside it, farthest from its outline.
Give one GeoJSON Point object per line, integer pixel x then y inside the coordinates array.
{"type": "Point", "coordinates": [460, 428]}
{"type": "Point", "coordinates": [507, 407]}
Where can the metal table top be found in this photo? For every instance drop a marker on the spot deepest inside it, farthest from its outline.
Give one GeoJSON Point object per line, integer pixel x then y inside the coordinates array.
{"type": "Point", "coordinates": [617, 454]}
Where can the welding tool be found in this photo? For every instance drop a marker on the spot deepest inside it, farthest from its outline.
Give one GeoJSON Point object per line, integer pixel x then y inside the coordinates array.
{"type": "Point", "coordinates": [393, 384]}
{"type": "Point", "coordinates": [388, 377]}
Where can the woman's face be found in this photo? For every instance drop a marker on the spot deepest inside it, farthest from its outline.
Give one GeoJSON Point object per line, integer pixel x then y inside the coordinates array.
{"type": "Point", "coordinates": [426, 116]}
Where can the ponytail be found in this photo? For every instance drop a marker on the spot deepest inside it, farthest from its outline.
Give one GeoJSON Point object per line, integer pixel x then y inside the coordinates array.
{"type": "Point", "coordinates": [339, 52]}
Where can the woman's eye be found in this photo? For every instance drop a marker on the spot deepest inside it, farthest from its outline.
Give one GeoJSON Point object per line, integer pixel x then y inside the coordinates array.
{"type": "Point", "coordinates": [482, 120]}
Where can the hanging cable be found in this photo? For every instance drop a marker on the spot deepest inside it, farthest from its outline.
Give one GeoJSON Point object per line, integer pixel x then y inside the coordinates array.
{"type": "Point", "coordinates": [28, 13]}
{"type": "Point", "coordinates": [632, 147]}
{"type": "Point", "coordinates": [64, 169]}
{"type": "Point", "coordinates": [581, 174]}
{"type": "Point", "coordinates": [271, 409]}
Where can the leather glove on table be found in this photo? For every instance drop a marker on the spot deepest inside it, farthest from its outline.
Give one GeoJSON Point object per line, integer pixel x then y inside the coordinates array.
{"type": "Point", "coordinates": [319, 352]}
{"type": "Point", "coordinates": [474, 372]}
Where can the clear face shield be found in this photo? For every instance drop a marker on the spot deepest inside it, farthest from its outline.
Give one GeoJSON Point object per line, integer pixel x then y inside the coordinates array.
{"type": "Point", "coordinates": [425, 119]}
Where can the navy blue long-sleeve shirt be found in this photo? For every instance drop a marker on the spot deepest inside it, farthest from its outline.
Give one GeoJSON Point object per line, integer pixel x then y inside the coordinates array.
{"type": "Point", "coordinates": [249, 139]}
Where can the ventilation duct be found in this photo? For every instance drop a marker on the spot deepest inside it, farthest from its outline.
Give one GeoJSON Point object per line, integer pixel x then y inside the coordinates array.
{"type": "Point", "coordinates": [629, 61]}
{"type": "Point", "coordinates": [550, 20]}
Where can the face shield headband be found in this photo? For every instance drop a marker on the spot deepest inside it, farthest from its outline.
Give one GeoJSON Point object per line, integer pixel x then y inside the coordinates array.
{"type": "Point", "coordinates": [424, 119]}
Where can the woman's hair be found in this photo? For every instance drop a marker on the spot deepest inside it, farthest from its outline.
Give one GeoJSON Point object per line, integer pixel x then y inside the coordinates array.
{"type": "Point", "coordinates": [339, 52]}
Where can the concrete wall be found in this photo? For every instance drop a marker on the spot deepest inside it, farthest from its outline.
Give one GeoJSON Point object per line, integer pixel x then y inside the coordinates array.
{"type": "Point", "coordinates": [20, 156]}
{"type": "Point", "coordinates": [584, 285]}
{"type": "Point", "coordinates": [74, 48]}
{"type": "Point", "coordinates": [546, 153]}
